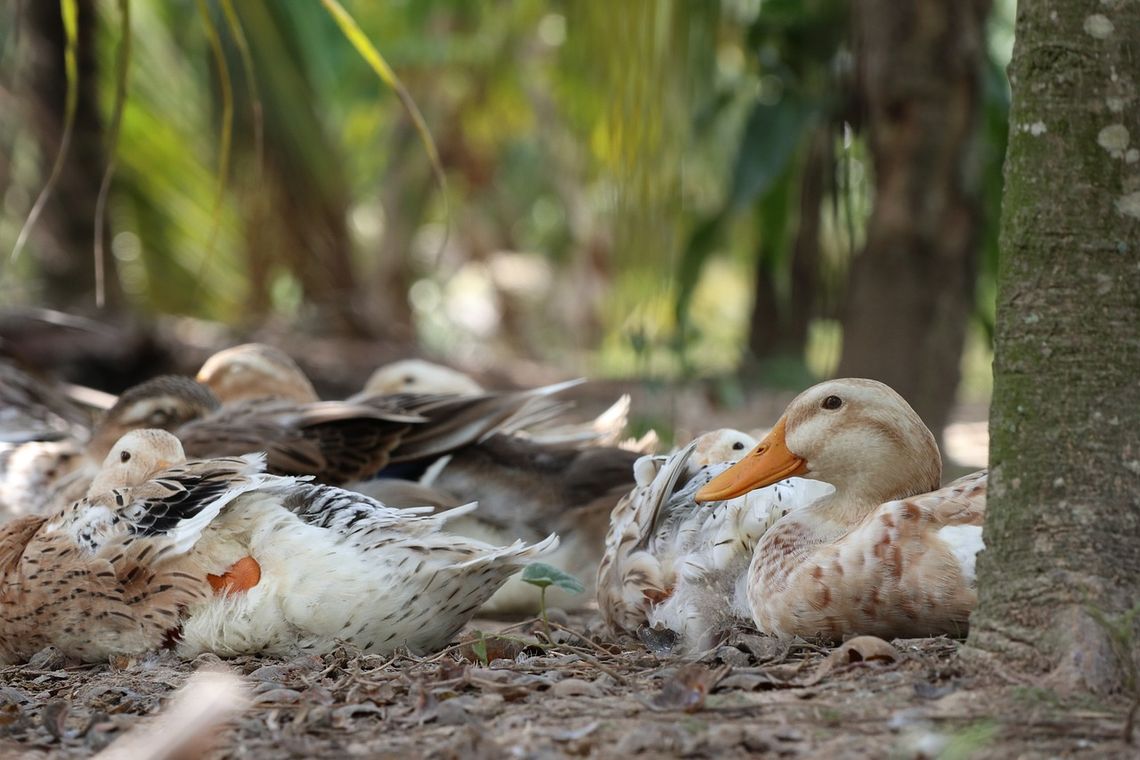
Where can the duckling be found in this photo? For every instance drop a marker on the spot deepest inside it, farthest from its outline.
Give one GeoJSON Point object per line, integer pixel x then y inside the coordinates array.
{"type": "Point", "coordinates": [669, 563]}
{"type": "Point", "coordinates": [215, 555]}
{"type": "Point", "coordinates": [887, 553]}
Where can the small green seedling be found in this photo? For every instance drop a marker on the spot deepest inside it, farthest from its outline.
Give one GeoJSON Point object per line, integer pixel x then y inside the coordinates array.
{"type": "Point", "coordinates": [543, 575]}
{"type": "Point", "coordinates": [479, 649]}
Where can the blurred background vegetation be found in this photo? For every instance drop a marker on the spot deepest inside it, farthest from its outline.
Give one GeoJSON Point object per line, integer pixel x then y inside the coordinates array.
{"type": "Point", "coordinates": [746, 192]}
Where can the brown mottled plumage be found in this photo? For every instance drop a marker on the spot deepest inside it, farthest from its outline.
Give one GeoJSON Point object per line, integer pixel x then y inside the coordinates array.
{"type": "Point", "coordinates": [215, 555]}
{"type": "Point", "coordinates": [111, 573]}
{"type": "Point", "coordinates": [884, 554]}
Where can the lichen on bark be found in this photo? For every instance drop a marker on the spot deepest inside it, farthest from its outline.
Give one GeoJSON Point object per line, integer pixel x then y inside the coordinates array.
{"type": "Point", "coordinates": [1063, 524]}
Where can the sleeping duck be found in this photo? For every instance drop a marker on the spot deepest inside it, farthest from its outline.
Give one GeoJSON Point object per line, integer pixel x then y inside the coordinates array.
{"type": "Point", "coordinates": [216, 555]}
{"type": "Point", "coordinates": [526, 488]}
{"type": "Point", "coordinates": [670, 563]}
{"type": "Point", "coordinates": [888, 552]}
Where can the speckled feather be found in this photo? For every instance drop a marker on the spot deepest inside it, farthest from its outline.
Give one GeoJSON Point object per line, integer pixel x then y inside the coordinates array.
{"type": "Point", "coordinates": [892, 575]}
{"type": "Point", "coordinates": [110, 574]}
{"type": "Point", "coordinates": [672, 562]}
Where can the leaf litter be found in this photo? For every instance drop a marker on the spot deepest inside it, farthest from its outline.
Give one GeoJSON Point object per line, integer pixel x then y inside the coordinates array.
{"type": "Point", "coordinates": [577, 692]}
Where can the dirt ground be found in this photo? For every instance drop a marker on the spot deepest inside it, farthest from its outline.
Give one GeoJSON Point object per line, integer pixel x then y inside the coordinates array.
{"type": "Point", "coordinates": [515, 694]}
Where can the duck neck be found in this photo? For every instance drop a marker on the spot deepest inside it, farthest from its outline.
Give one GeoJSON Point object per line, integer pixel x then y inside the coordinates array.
{"type": "Point", "coordinates": [850, 504]}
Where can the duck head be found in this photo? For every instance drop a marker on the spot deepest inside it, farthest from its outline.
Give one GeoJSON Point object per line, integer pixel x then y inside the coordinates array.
{"type": "Point", "coordinates": [166, 402]}
{"type": "Point", "coordinates": [418, 376]}
{"type": "Point", "coordinates": [724, 445]}
{"type": "Point", "coordinates": [858, 435]}
{"type": "Point", "coordinates": [254, 371]}
{"type": "Point", "coordinates": [137, 457]}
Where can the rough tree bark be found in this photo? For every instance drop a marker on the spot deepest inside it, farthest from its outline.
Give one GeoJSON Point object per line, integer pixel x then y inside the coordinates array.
{"type": "Point", "coordinates": [1064, 509]}
{"type": "Point", "coordinates": [64, 238]}
{"type": "Point", "coordinates": [911, 288]}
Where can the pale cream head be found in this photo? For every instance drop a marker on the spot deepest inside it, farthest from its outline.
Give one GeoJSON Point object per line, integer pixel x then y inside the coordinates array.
{"type": "Point", "coordinates": [724, 445]}
{"type": "Point", "coordinates": [137, 457]}
{"type": "Point", "coordinates": [872, 443]}
{"type": "Point", "coordinates": [419, 376]}
{"type": "Point", "coordinates": [858, 435]}
{"type": "Point", "coordinates": [256, 371]}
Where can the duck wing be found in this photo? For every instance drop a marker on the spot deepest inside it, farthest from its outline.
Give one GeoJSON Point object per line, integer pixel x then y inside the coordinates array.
{"type": "Point", "coordinates": [899, 573]}
{"type": "Point", "coordinates": [452, 421]}
{"type": "Point", "coordinates": [528, 486]}
{"type": "Point", "coordinates": [32, 409]}
{"type": "Point", "coordinates": [331, 440]}
{"type": "Point", "coordinates": [634, 570]}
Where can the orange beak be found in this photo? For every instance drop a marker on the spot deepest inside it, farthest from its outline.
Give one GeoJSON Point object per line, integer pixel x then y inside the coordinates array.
{"type": "Point", "coordinates": [768, 463]}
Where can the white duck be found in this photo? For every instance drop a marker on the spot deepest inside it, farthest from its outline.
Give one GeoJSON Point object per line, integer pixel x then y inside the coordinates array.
{"type": "Point", "coordinates": [885, 554]}
{"type": "Point", "coordinates": [220, 557]}
{"type": "Point", "coordinates": [669, 562]}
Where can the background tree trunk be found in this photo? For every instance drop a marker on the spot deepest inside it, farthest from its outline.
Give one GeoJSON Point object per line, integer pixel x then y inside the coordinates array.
{"type": "Point", "coordinates": [407, 190]}
{"type": "Point", "coordinates": [1064, 509]}
{"type": "Point", "coordinates": [64, 238]}
{"type": "Point", "coordinates": [775, 331]}
{"type": "Point", "coordinates": [303, 214]}
{"type": "Point", "coordinates": [912, 286]}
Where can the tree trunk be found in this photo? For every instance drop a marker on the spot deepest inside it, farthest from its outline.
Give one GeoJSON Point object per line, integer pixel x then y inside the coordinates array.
{"type": "Point", "coordinates": [774, 331]}
{"type": "Point", "coordinates": [406, 190]}
{"type": "Point", "coordinates": [1064, 508]}
{"type": "Point", "coordinates": [64, 237]}
{"type": "Point", "coordinates": [912, 286]}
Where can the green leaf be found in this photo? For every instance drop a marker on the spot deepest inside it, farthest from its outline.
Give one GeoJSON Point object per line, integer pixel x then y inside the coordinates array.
{"type": "Point", "coordinates": [479, 648]}
{"type": "Point", "coordinates": [372, 57]}
{"type": "Point", "coordinates": [543, 575]}
{"type": "Point", "coordinates": [227, 129]}
{"type": "Point", "coordinates": [122, 67]}
{"type": "Point", "coordinates": [771, 138]}
{"type": "Point", "coordinates": [702, 241]}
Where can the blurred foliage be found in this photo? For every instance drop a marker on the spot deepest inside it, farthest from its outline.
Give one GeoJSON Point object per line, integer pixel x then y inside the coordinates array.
{"type": "Point", "coordinates": [616, 172]}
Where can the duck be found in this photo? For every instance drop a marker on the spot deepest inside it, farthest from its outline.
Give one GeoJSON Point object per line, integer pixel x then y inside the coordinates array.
{"type": "Point", "coordinates": [526, 488]}
{"type": "Point", "coordinates": [256, 371]}
{"type": "Point", "coordinates": [332, 441]}
{"type": "Point", "coordinates": [670, 564]}
{"type": "Point", "coordinates": [217, 555]}
{"type": "Point", "coordinates": [259, 374]}
{"type": "Point", "coordinates": [888, 552]}
{"type": "Point", "coordinates": [420, 376]}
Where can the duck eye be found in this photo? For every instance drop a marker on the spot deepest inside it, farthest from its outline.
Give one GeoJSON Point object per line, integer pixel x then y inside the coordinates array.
{"type": "Point", "coordinates": [737, 446]}
{"type": "Point", "coordinates": [409, 379]}
{"type": "Point", "coordinates": [125, 456]}
{"type": "Point", "coordinates": [832, 402]}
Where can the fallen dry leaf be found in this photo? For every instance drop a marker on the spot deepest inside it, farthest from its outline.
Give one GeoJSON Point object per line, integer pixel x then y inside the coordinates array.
{"type": "Point", "coordinates": [687, 689]}
{"type": "Point", "coordinates": [861, 649]}
{"type": "Point", "coordinates": [54, 717]}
